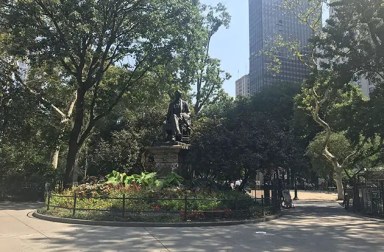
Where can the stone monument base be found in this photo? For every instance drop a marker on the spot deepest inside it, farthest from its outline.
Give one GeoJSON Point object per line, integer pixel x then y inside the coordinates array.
{"type": "Point", "coordinates": [169, 158]}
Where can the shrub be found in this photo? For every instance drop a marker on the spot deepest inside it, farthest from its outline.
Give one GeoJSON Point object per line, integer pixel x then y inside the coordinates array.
{"type": "Point", "coordinates": [144, 179]}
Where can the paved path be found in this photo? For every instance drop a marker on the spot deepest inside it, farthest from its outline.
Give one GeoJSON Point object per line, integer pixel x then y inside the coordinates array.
{"type": "Point", "coordinates": [311, 226]}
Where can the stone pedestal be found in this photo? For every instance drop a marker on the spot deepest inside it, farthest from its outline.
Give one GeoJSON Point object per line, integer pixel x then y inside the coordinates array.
{"type": "Point", "coordinates": [169, 158]}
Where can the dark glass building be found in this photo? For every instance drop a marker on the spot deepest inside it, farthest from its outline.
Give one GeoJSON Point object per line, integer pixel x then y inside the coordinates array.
{"type": "Point", "coordinates": [267, 21]}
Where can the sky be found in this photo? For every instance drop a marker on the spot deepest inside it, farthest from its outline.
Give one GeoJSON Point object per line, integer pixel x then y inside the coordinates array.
{"type": "Point", "coordinates": [231, 45]}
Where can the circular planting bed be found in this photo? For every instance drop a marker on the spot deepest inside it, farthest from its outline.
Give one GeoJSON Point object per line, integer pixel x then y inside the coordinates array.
{"type": "Point", "coordinates": [151, 200]}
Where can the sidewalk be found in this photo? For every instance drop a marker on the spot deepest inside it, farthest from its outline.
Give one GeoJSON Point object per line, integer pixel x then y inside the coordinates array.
{"type": "Point", "coordinates": [312, 226]}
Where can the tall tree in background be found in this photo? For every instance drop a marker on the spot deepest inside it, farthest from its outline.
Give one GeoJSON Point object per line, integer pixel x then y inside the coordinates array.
{"type": "Point", "coordinates": [249, 135]}
{"type": "Point", "coordinates": [195, 68]}
{"type": "Point", "coordinates": [347, 48]}
{"type": "Point", "coordinates": [352, 46]}
{"type": "Point", "coordinates": [206, 74]}
{"type": "Point", "coordinates": [24, 133]}
{"type": "Point", "coordinates": [85, 39]}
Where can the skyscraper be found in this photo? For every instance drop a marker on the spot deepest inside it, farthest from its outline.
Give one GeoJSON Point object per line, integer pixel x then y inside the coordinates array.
{"type": "Point", "coordinates": [267, 21]}
{"type": "Point", "coordinates": [242, 86]}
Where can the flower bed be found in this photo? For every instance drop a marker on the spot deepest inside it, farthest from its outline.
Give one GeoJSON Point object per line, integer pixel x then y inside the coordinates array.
{"type": "Point", "coordinates": [151, 202]}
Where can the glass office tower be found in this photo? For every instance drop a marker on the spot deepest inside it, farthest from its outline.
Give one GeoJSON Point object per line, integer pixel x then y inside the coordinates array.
{"type": "Point", "coordinates": [268, 20]}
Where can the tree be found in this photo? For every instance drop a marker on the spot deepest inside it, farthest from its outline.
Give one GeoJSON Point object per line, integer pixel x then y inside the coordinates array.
{"type": "Point", "coordinates": [208, 77]}
{"type": "Point", "coordinates": [249, 135]}
{"type": "Point", "coordinates": [348, 48]}
{"type": "Point", "coordinates": [340, 146]}
{"type": "Point", "coordinates": [86, 39]}
{"type": "Point", "coordinates": [339, 48]}
{"type": "Point", "coordinates": [56, 96]}
{"type": "Point", "coordinates": [352, 46]}
{"type": "Point", "coordinates": [198, 68]}
{"type": "Point", "coordinates": [352, 41]}
{"type": "Point", "coordinates": [333, 109]}
{"type": "Point", "coordinates": [120, 140]}
{"type": "Point", "coordinates": [24, 142]}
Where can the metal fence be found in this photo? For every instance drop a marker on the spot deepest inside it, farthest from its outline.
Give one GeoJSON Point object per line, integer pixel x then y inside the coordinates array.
{"type": "Point", "coordinates": [21, 191]}
{"type": "Point", "coordinates": [366, 199]}
{"type": "Point", "coordinates": [187, 208]}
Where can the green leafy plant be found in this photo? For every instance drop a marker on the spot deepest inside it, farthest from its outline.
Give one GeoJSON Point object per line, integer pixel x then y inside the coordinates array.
{"type": "Point", "coordinates": [145, 179]}
{"type": "Point", "coordinates": [115, 177]}
{"type": "Point", "coordinates": [173, 179]}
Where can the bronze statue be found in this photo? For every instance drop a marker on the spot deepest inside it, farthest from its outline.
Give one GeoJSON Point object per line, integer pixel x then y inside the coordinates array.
{"type": "Point", "coordinates": [178, 124]}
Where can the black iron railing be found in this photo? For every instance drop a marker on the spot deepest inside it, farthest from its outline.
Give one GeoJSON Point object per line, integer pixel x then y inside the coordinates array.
{"type": "Point", "coordinates": [365, 199]}
{"type": "Point", "coordinates": [185, 208]}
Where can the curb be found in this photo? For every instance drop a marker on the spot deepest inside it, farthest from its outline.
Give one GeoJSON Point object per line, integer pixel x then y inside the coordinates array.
{"type": "Point", "coordinates": [150, 224]}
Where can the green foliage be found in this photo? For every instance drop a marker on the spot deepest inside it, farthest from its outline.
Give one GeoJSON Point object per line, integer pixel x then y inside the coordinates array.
{"type": "Point", "coordinates": [250, 135]}
{"type": "Point", "coordinates": [99, 75]}
{"type": "Point", "coordinates": [25, 140]}
{"type": "Point", "coordinates": [352, 43]}
{"type": "Point", "coordinates": [119, 140]}
{"type": "Point", "coordinates": [203, 71]}
{"type": "Point", "coordinates": [339, 146]}
{"type": "Point", "coordinates": [172, 179]}
{"type": "Point", "coordinates": [344, 49]}
{"type": "Point", "coordinates": [116, 177]}
{"type": "Point", "coordinates": [145, 179]}
{"type": "Point", "coordinates": [350, 48]}
{"type": "Point", "coordinates": [83, 47]}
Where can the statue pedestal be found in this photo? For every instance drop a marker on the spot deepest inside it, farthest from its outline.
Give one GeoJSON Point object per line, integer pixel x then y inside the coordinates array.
{"type": "Point", "coordinates": [169, 158]}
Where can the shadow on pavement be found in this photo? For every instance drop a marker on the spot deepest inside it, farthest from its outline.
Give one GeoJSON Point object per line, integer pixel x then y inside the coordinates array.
{"type": "Point", "coordinates": [311, 226]}
{"type": "Point", "coordinates": [10, 205]}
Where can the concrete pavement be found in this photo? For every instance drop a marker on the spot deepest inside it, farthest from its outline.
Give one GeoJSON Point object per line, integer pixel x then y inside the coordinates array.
{"type": "Point", "coordinates": [311, 226]}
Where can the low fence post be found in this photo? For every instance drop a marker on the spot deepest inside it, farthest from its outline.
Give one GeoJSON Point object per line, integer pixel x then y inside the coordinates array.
{"type": "Point", "coordinates": [382, 197]}
{"type": "Point", "coordinates": [371, 197]}
{"type": "Point", "coordinates": [185, 207]}
{"type": "Point", "coordinates": [48, 199]}
{"type": "Point", "coordinates": [74, 204]}
{"type": "Point", "coordinates": [123, 205]}
{"type": "Point", "coordinates": [262, 205]}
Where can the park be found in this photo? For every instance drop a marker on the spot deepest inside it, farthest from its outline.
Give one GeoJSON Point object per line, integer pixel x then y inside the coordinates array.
{"type": "Point", "coordinates": [117, 132]}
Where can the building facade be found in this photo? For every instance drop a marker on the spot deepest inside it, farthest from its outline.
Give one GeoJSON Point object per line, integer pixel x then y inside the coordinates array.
{"type": "Point", "coordinates": [242, 86]}
{"type": "Point", "coordinates": [267, 22]}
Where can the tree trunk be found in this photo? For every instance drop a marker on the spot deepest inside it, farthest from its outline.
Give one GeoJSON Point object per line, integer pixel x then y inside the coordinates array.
{"type": "Point", "coordinates": [74, 145]}
{"type": "Point", "coordinates": [55, 157]}
{"type": "Point", "coordinates": [56, 153]}
{"type": "Point", "coordinates": [338, 177]}
{"type": "Point", "coordinates": [71, 162]}
{"type": "Point", "coordinates": [75, 171]}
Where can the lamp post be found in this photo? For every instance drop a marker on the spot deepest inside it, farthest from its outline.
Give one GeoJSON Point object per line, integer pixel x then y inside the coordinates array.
{"type": "Point", "coordinates": [295, 185]}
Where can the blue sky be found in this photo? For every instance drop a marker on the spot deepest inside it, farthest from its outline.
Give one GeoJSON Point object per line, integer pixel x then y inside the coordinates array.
{"type": "Point", "coordinates": [231, 45]}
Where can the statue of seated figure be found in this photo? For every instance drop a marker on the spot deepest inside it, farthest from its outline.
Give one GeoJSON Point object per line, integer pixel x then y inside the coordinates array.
{"type": "Point", "coordinates": [178, 122]}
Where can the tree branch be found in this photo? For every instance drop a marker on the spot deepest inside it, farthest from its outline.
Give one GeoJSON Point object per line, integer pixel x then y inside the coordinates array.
{"type": "Point", "coordinates": [61, 34]}
{"type": "Point", "coordinates": [62, 114]}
